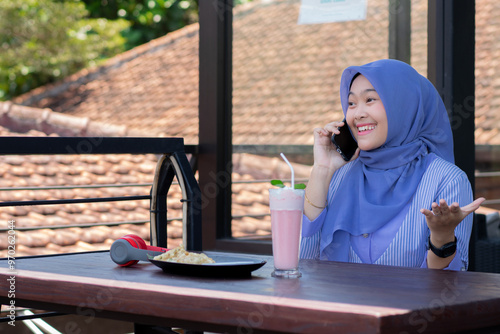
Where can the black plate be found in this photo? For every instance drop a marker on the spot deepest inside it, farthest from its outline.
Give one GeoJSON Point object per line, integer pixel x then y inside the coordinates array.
{"type": "Point", "coordinates": [224, 266]}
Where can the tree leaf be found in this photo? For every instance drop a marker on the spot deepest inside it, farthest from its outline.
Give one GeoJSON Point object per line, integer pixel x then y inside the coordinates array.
{"type": "Point", "coordinates": [300, 186]}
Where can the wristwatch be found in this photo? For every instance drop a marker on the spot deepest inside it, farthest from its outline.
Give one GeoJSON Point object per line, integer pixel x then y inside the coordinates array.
{"type": "Point", "coordinates": [446, 250]}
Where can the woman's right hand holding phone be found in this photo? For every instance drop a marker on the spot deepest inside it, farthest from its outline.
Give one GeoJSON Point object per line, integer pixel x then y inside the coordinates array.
{"type": "Point", "coordinates": [326, 161]}
{"type": "Point", "coordinates": [325, 153]}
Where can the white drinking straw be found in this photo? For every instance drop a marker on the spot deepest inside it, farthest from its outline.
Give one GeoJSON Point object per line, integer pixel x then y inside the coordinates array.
{"type": "Point", "coordinates": [290, 165]}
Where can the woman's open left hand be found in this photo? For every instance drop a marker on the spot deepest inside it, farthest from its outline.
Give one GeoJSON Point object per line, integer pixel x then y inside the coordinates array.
{"type": "Point", "coordinates": [442, 219]}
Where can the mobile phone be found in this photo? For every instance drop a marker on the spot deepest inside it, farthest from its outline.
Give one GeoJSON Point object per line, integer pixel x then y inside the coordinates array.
{"type": "Point", "coordinates": [344, 142]}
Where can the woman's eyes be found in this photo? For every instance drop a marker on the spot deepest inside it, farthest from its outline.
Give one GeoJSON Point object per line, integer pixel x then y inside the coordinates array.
{"type": "Point", "coordinates": [368, 100]}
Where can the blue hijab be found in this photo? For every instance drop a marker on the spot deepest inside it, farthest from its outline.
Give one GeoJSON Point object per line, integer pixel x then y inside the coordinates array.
{"type": "Point", "coordinates": [381, 182]}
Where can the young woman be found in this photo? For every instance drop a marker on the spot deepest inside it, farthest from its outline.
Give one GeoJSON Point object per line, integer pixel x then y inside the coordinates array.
{"type": "Point", "coordinates": [400, 200]}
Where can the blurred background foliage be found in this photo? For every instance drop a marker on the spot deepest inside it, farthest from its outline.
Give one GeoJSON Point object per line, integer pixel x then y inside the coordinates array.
{"type": "Point", "coordinates": [42, 41]}
{"type": "Point", "coordinates": [149, 19]}
{"type": "Point", "coordinates": [45, 40]}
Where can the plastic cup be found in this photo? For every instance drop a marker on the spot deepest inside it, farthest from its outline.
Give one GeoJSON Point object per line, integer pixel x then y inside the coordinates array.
{"type": "Point", "coordinates": [287, 207]}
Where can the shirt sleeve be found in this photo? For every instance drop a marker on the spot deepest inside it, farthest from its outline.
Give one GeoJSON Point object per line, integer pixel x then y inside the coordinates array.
{"type": "Point", "coordinates": [311, 230]}
{"type": "Point", "coordinates": [311, 234]}
{"type": "Point", "coordinates": [309, 227]}
{"type": "Point", "coordinates": [456, 264]}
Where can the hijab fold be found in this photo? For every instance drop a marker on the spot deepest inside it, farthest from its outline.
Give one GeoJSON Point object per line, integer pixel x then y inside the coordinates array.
{"type": "Point", "coordinates": [382, 182]}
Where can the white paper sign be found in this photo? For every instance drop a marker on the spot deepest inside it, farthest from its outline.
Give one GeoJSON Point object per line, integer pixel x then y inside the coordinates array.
{"type": "Point", "coordinates": [325, 11]}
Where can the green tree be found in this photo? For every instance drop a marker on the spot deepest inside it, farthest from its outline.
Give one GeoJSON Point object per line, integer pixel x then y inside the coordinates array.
{"type": "Point", "coordinates": [45, 40]}
{"type": "Point", "coordinates": [149, 19]}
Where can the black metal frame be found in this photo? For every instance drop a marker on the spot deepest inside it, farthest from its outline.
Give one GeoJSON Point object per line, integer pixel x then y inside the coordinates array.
{"type": "Point", "coordinates": [451, 63]}
{"type": "Point", "coordinates": [91, 145]}
{"type": "Point", "coordinates": [170, 165]}
{"type": "Point", "coordinates": [215, 118]}
{"type": "Point", "coordinates": [173, 162]}
{"type": "Point", "coordinates": [400, 30]}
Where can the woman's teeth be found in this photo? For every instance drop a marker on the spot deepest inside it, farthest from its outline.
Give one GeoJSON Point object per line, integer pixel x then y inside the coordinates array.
{"type": "Point", "coordinates": [366, 128]}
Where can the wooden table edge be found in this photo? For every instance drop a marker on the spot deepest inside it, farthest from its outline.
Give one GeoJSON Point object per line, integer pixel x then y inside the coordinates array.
{"type": "Point", "coordinates": [225, 309]}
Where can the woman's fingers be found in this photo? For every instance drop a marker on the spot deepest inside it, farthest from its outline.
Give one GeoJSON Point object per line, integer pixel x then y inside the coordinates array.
{"type": "Point", "coordinates": [427, 213]}
{"type": "Point", "coordinates": [443, 209]}
{"type": "Point", "coordinates": [443, 206]}
{"type": "Point", "coordinates": [454, 208]}
{"type": "Point", "coordinates": [329, 129]}
{"type": "Point", "coordinates": [436, 210]}
{"type": "Point", "coordinates": [333, 127]}
{"type": "Point", "coordinates": [321, 131]}
{"type": "Point", "coordinates": [474, 205]}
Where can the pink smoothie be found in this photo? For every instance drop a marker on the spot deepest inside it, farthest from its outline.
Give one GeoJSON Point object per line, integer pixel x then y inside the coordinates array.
{"type": "Point", "coordinates": [286, 225]}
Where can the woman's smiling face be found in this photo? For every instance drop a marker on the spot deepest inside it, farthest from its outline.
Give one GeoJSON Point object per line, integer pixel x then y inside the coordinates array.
{"type": "Point", "coordinates": [366, 116]}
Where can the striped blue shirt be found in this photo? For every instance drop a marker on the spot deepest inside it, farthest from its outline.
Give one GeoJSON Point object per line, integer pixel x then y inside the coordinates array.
{"type": "Point", "coordinates": [402, 243]}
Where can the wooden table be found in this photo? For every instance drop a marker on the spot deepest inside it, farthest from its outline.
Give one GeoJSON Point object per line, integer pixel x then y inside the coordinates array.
{"type": "Point", "coordinates": [329, 298]}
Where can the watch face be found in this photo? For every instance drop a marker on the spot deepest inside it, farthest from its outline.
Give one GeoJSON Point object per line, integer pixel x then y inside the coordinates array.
{"type": "Point", "coordinates": [449, 249]}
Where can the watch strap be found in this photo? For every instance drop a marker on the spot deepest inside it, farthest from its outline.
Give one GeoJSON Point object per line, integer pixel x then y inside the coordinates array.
{"type": "Point", "coordinates": [446, 250]}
